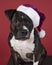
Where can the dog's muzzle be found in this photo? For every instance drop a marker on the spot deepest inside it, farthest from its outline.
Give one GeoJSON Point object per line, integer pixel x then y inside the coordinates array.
{"type": "Point", "coordinates": [22, 35]}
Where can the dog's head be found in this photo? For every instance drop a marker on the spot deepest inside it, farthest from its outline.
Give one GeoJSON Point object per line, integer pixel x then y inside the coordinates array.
{"type": "Point", "coordinates": [20, 24]}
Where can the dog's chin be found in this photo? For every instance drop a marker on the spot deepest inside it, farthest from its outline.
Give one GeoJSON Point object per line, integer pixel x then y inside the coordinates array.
{"type": "Point", "coordinates": [22, 38]}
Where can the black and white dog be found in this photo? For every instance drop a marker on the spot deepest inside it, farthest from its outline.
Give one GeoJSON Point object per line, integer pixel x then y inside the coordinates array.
{"type": "Point", "coordinates": [24, 40]}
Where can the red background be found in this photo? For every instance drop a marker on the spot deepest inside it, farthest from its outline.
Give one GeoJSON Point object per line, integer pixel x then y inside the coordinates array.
{"type": "Point", "coordinates": [43, 5]}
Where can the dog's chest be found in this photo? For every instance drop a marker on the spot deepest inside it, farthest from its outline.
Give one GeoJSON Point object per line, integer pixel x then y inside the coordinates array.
{"type": "Point", "coordinates": [22, 47]}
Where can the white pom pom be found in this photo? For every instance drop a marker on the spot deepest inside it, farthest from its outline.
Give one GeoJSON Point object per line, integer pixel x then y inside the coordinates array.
{"type": "Point", "coordinates": [42, 34]}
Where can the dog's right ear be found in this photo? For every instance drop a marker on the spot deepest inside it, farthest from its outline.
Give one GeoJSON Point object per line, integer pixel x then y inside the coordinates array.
{"type": "Point", "coordinates": [9, 13]}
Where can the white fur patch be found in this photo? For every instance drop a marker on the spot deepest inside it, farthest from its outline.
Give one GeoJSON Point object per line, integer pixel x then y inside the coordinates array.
{"type": "Point", "coordinates": [24, 27]}
{"type": "Point", "coordinates": [23, 47]}
{"type": "Point", "coordinates": [36, 63]}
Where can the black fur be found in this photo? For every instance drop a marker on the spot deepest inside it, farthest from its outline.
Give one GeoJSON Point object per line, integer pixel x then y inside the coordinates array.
{"type": "Point", "coordinates": [9, 13]}
{"type": "Point", "coordinates": [39, 51]}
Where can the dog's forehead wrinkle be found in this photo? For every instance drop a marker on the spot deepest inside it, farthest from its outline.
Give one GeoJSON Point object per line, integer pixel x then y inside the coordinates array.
{"type": "Point", "coordinates": [23, 16]}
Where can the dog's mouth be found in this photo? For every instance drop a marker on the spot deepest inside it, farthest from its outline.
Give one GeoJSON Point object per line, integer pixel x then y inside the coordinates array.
{"type": "Point", "coordinates": [22, 38]}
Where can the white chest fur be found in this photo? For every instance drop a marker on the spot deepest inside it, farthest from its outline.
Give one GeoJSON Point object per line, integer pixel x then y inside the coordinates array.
{"type": "Point", "coordinates": [23, 47]}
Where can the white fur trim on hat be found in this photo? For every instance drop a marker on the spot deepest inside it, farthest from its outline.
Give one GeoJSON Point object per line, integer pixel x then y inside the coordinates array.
{"type": "Point", "coordinates": [33, 15]}
{"type": "Point", "coordinates": [42, 34]}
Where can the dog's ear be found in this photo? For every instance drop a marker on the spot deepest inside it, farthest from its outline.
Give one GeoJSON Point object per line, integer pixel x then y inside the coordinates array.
{"type": "Point", "coordinates": [9, 13]}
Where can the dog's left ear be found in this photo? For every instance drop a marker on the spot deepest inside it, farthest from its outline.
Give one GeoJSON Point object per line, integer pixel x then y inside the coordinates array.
{"type": "Point", "coordinates": [9, 13]}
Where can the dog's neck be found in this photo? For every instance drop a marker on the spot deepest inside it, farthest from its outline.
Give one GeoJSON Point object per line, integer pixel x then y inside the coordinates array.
{"type": "Point", "coordinates": [23, 47]}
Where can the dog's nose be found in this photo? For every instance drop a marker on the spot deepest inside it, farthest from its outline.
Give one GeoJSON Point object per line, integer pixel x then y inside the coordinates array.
{"type": "Point", "coordinates": [24, 32]}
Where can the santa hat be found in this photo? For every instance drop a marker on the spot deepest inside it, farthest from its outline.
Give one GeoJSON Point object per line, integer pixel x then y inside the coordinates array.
{"type": "Point", "coordinates": [36, 17]}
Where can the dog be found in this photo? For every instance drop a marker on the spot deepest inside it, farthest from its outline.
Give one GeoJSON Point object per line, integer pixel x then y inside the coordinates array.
{"type": "Point", "coordinates": [23, 39]}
